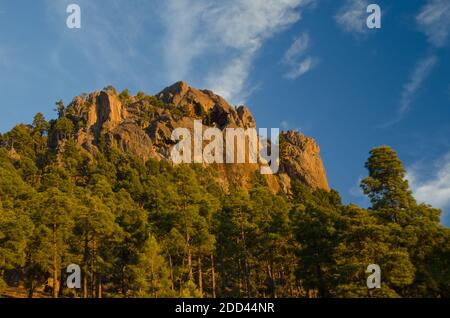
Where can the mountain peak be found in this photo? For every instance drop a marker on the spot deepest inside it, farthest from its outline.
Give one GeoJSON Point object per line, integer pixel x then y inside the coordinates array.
{"type": "Point", "coordinates": [142, 126]}
{"type": "Point", "coordinates": [193, 100]}
{"type": "Point", "coordinates": [178, 89]}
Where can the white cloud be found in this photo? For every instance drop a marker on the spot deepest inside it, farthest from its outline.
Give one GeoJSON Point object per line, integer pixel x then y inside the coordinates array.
{"type": "Point", "coordinates": [230, 81]}
{"type": "Point", "coordinates": [302, 68]}
{"type": "Point", "coordinates": [228, 33]}
{"type": "Point", "coordinates": [356, 190]}
{"type": "Point", "coordinates": [298, 48]}
{"type": "Point", "coordinates": [352, 16]}
{"type": "Point", "coordinates": [210, 44]}
{"type": "Point", "coordinates": [294, 58]}
{"type": "Point", "coordinates": [434, 20]}
{"type": "Point", "coordinates": [183, 43]}
{"type": "Point", "coordinates": [419, 75]}
{"type": "Point", "coordinates": [434, 190]}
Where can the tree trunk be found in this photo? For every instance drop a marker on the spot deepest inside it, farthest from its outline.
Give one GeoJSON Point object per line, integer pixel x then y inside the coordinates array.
{"type": "Point", "coordinates": [189, 252]}
{"type": "Point", "coordinates": [246, 266]}
{"type": "Point", "coordinates": [123, 281]}
{"type": "Point", "coordinates": [213, 277]}
{"type": "Point", "coordinates": [61, 285]}
{"type": "Point", "coordinates": [100, 289]}
{"type": "Point", "coordinates": [322, 289]}
{"type": "Point", "coordinates": [272, 280]}
{"type": "Point", "coordinates": [188, 242]}
{"type": "Point", "coordinates": [200, 275]}
{"type": "Point", "coordinates": [85, 266]}
{"type": "Point", "coordinates": [31, 289]}
{"type": "Point", "coordinates": [171, 272]}
{"type": "Point", "coordinates": [55, 269]}
{"type": "Point", "coordinates": [94, 270]}
{"type": "Point", "coordinates": [152, 280]}
{"type": "Point", "coordinates": [240, 277]}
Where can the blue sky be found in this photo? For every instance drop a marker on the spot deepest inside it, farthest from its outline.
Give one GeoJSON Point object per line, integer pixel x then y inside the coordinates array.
{"type": "Point", "coordinates": [310, 65]}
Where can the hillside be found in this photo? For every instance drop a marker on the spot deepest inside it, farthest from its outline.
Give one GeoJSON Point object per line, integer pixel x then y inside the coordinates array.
{"type": "Point", "coordinates": [96, 187]}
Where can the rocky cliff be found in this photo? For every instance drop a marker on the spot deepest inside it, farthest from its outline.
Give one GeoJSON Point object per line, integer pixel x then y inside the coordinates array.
{"type": "Point", "coordinates": [142, 126]}
{"type": "Point", "coordinates": [300, 159]}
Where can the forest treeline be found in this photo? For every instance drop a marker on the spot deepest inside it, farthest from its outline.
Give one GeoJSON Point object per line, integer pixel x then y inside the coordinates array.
{"type": "Point", "coordinates": [150, 229]}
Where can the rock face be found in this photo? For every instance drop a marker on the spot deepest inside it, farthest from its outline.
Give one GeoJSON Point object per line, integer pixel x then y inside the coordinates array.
{"type": "Point", "coordinates": [197, 103]}
{"type": "Point", "coordinates": [142, 126]}
{"type": "Point", "coordinates": [301, 160]}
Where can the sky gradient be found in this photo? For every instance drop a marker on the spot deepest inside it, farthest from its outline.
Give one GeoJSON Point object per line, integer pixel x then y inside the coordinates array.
{"type": "Point", "coordinates": [310, 65]}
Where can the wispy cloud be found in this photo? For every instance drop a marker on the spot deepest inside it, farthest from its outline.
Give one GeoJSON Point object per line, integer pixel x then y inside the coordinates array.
{"type": "Point", "coordinates": [296, 60]}
{"type": "Point", "coordinates": [434, 21]}
{"type": "Point", "coordinates": [211, 44]}
{"type": "Point", "coordinates": [417, 78]}
{"type": "Point", "coordinates": [231, 81]}
{"type": "Point", "coordinates": [229, 33]}
{"type": "Point", "coordinates": [302, 68]}
{"type": "Point", "coordinates": [298, 48]}
{"type": "Point", "coordinates": [435, 189]}
{"type": "Point", "coordinates": [108, 38]}
{"type": "Point", "coordinates": [352, 16]}
{"type": "Point", "coordinates": [356, 190]}
{"type": "Point", "coordinates": [420, 74]}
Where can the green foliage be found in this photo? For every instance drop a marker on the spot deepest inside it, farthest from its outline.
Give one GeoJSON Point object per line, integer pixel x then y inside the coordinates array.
{"type": "Point", "coordinates": [140, 95]}
{"type": "Point", "coordinates": [60, 108]}
{"type": "Point", "coordinates": [386, 185]}
{"type": "Point", "coordinates": [3, 285]}
{"type": "Point", "coordinates": [110, 89]}
{"type": "Point", "coordinates": [153, 100]}
{"type": "Point", "coordinates": [150, 229]}
{"type": "Point", "coordinates": [125, 96]}
{"type": "Point", "coordinates": [40, 125]}
{"type": "Point", "coordinates": [62, 129]}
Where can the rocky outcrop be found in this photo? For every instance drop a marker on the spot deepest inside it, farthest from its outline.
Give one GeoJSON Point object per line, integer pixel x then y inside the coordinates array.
{"type": "Point", "coordinates": [205, 104]}
{"type": "Point", "coordinates": [110, 112]}
{"type": "Point", "coordinates": [133, 140]}
{"type": "Point", "coordinates": [300, 159]}
{"type": "Point", "coordinates": [142, 126]}
{"type": "Point", "coordinates": [196, 102]}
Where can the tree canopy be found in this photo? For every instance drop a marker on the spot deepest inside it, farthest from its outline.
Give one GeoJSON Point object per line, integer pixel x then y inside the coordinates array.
{"type": "Point", "coordinates": [150, 229]}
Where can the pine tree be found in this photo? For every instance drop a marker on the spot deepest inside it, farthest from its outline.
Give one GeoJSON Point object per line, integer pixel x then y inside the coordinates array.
{"type": "Point", "coordinates": [386, 185]}
{"type": "Point", "coordinates": [94, 226]}
{"type": "Point", "coordinates": [56, 221]}
{"type": "Point", "coordinates": [363, 240]}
